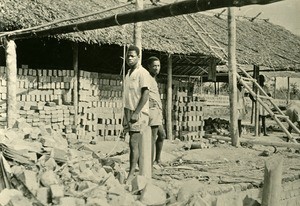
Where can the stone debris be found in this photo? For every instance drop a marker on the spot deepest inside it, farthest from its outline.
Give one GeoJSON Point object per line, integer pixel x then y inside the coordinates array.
{"type": "Point", "coordinates": [47, 170]}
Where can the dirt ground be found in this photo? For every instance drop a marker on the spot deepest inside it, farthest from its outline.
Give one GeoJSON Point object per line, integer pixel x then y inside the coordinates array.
{"type": "Point", "coordinates": [217, 163]}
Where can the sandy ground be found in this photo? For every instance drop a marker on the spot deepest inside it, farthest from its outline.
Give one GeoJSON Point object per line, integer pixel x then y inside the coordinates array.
{"type": "Point", "coordinates": [220, 163]}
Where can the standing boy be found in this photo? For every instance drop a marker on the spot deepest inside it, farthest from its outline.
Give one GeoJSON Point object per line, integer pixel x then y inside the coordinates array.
{"type": "Point", "coordinates": [155, 110]}
{"type": "Point", "coordinates": [136, 107]}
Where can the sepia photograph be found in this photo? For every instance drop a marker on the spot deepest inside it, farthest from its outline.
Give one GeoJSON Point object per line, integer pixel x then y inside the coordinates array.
{"type": "Point", "coordinates": [149, 103]}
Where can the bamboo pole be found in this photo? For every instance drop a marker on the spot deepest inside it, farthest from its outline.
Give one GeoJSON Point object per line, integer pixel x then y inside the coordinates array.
{"type": "Point", "coordinates": [288, 91]}
{"type": "Point", "coordinates": [274, 94]}
{"type": "Point", "coordinates": [169, 99]}
{"type": "Point", "coordinates": [11, 88]}
{"type": "Point", "coordinates": [232, 76]}
{"type": "Point", "coordinates": [145, 151]}
{"type": "Point", "coordinates": [75, 85]}
{"type": "Point", "coordinates": [137, 34]}
{"type": "Point", "coordinates": [174, 9]}
{"type": "Point", "coordinates": [272, 182]}
{"type": "Point", "coordinates": [256, 109]}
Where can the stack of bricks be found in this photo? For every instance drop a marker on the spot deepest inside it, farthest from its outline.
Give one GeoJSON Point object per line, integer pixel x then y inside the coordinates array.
{"type": "Point", "coordinates": [100, 106]}
{"type": "Point", "coordinates": [187, 116]}
{"type": "Point", "coordinates": [45, 96]}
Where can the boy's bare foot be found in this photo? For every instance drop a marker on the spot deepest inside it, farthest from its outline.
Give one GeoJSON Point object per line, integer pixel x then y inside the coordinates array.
{"type": "Point", "coordinates": [129, 179]}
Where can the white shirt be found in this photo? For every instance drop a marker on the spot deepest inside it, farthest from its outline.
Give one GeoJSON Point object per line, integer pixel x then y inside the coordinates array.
{"type": "Point", "coordinates": [134, 83]}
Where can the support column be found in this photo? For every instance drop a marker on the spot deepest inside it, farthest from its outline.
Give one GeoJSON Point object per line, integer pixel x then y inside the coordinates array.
{"type": "Point", "coordinates": [232, 76]}
{"type": "Point", "coordinates": [11, 75]}
{"type": "Point", "coordinates": [256, 104]}
{"type": "Point", "coordinates": [272, 182]}
{"type": "Point", "coordinates": [137, 35]}
{"type": "Point", "coordinates": [75, 84]}
{"type": "Point", "coordinates": [169, 100]}
{"type": "Point", "coordinates": [274, 94]}
{"type": "Point", "coordinates": [288, 91]}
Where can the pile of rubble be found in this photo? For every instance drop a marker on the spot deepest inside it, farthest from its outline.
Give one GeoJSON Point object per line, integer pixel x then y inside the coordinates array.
{"type": "Point", "coordinates": [40, 167]}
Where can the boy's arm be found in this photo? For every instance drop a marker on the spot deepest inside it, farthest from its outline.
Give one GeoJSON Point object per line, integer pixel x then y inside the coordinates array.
{"type": "Point", "coordinates": [142, 102]}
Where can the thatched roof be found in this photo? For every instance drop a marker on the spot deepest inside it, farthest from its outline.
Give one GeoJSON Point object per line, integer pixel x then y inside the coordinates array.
{"type": "Point", "coordinates": [258, 42]}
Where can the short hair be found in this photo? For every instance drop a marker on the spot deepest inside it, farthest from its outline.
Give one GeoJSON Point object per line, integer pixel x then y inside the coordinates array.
{"type": "Point", "coordinates": [151, 60]}
{"type": "Point", "coordinates": [134, 48]}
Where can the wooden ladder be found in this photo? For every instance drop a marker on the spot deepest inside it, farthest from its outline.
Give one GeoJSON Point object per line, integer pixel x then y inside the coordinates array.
{"type": "Point", "coordinates": [264, 97]}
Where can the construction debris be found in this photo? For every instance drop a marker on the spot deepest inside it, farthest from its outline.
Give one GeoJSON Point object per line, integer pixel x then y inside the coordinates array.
{"type": "Point", "coordinates": [38, 167]}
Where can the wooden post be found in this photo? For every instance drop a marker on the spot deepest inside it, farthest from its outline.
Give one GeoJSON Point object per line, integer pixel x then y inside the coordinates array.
{"type": "Point", "coordinates": [137, 35]}
{"type": "Point", "coordinates": [75, 84]}
{"type": "Point", "coordinates": [201, 87]}
{"type": "Point", "coordinates": [169, 100]}
{"type": "Point", "coordinates": [145, 151]}
{"type": "Point", "coordinates": [274, 93]}
{"type": "Point", "coordinates": [232, 76]}
{"type": "Point", "coordinates": [272, 182]}
{"type": "Point", "coordinates": [256, 110]}
{"type": "Point", "coordinates": [288, 91]}
{"type": "Point", "coordinates": [11, 88]}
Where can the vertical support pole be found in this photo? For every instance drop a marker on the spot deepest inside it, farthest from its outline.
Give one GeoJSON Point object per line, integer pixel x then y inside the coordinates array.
{"type": "Point", "coordinates": [11, 64]}
{"type": "Point", "coordinates": [145, 151]}
{"type": "Point", "coordinates": [137, 35]}
{"type": "Point", "coordinates": [169, 99]}
{"type": "Point", "coordinates": [201, 87]}
{"type": "Point", "coordinates": [274, 93]}
{"type": "Point", "coordinates": [288, 91]}
{"type": "Point", "coordinates": [232, 76]}
{"type": "Point", "coordinates": [75, 84]}
{"type": "Point", "coordinates": [272, 182]}
{"type": "Point", "coordinates": [256, 110]}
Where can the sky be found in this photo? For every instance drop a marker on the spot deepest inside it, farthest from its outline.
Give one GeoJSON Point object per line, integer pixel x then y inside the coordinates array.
{"type": "Point", "coordinates": [285, 13]}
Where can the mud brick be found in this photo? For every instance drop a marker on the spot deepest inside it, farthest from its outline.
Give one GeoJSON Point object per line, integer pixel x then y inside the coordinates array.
{"type": "Point", "coordinates": [44, 195]}
{"type": "Point", "coordinates": [20, 71]}
{"type": "Point", "coordinates": [29, 72]}
{"type": "Point", "coordinates": [64, 73]}
{"type": "Point", "coordinates": [57, 192]}
{"type": "Point", "coordinates": [54, 72]}
{"type": "Point", "coordinates": [71, 73]}
{"type": "Point", "coordinates": [40, 72]}
{"type": "Point", "coordinates": [30, 179]}
{"type": "Point", "coordinates": [59, 73]}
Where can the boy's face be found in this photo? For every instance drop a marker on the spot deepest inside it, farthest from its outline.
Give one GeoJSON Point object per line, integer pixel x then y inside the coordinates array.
{"type": "Point", "coordinates": [154, 68]}
{"type": "Point", "coordinates": [132, 58]}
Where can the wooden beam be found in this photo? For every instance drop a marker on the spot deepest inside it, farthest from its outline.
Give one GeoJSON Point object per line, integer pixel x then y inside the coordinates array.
{"type": "Point", "coordinates": [232, 77]}
{"type": "Point", "coordinates": [11, 88]}
{"type": "Point", "coordinates": [174, 9]}
{"type": "Point", "coordinates": [169, 100]}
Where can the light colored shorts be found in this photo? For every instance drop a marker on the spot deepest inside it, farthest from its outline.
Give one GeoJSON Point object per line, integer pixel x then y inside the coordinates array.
{"type": "Point", "coordinates": [155, 116]}
{"type": "Point", "coordinates": [142, 122]}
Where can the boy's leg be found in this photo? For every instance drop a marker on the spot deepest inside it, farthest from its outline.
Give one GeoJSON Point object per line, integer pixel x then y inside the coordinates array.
{"type": "Point", "coordinates": [134, 142]}
{"type": "Point", "coordinates": [154, 130]}
{"type": "Point", "coordinates": [161, 135]}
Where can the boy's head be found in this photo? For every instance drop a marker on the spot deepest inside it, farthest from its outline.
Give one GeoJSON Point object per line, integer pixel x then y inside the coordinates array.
{"type": "Point", "coordinates": [132, 55]}
{"type": "Point", "coordinates": [153, 65]}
